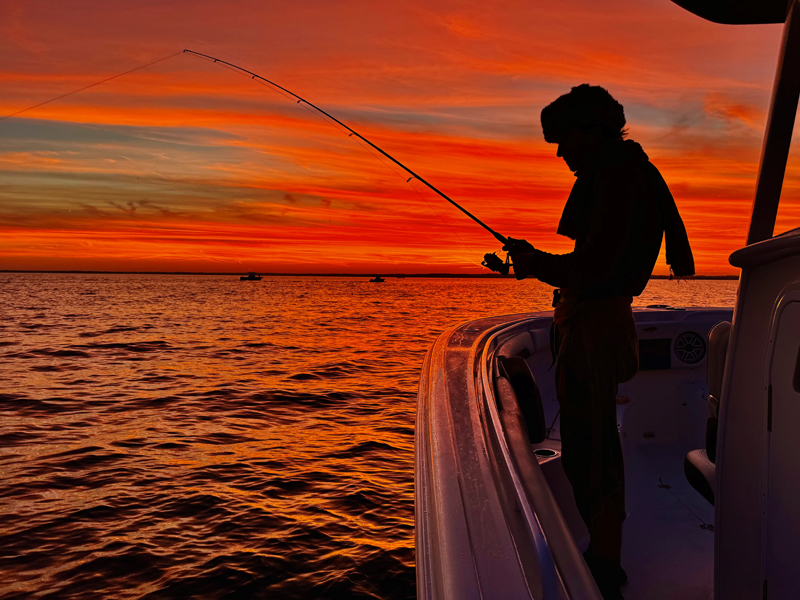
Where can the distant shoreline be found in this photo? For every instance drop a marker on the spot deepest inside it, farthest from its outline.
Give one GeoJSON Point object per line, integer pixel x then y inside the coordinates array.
{"type": "Point", "coordinates": [360, 275]}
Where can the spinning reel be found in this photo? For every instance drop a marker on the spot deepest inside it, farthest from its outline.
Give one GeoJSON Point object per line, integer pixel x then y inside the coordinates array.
{"type": "Point", "coordinates": [495, 263]}
{"type": "Point", "coordinates": [510, 245]}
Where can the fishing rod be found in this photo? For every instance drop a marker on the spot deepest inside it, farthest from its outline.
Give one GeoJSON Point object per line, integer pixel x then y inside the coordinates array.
{"type": "Point", "coordinates": [492, 261]}
{"type": "Point", "coordinates": [352, 131]}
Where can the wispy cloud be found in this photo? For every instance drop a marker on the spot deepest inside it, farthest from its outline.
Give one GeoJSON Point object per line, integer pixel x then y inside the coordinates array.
{"type": "Point", "coordinates": [187, 163]}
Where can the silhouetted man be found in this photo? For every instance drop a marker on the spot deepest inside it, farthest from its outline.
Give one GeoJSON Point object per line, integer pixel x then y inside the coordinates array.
{"type": "Point", "coordinates": [617, 212]}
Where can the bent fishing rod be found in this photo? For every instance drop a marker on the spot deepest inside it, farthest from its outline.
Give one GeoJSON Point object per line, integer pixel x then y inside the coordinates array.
{"type": "Point", "coordinates": [492, 261]}
{"type": "Point", "coordinates": [352, 131]}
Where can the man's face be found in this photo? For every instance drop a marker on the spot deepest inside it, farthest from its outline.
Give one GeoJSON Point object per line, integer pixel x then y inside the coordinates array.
{"type": "Point", "coordinates": [577, 146]}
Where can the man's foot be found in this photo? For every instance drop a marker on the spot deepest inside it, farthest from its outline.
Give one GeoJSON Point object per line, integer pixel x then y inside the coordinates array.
{"type": "Point", "coordinates": [608, 574]}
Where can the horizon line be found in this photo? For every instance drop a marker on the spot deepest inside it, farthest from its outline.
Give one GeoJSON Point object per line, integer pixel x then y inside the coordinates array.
{"type": "Point", "coordinates": [370, 274]}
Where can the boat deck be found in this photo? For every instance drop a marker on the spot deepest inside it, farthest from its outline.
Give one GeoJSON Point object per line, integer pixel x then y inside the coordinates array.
{"type": "Point", "coordinates": [668, 537]}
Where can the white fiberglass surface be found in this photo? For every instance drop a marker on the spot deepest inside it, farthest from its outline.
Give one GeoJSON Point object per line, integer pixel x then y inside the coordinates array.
{"type": "Point", "coordinates": [668, 540]}
{"type": "Point", "coordinates": [668, 536]}
{"type": "Point", "coordinates": [782, 516]}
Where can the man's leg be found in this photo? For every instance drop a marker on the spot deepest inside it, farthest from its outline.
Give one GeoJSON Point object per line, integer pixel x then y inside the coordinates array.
{"type": "Point", "coordinates": [591, 450]}
{"type": "Point", "coordinates": [608, 487]}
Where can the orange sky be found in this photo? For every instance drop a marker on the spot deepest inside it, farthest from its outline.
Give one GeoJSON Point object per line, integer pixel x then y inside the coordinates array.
{"type": "Point", "coordinates": [186, 165]}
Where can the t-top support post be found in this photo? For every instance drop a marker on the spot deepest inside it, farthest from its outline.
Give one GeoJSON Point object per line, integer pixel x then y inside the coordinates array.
{"type": "Point", "coordinates": [778, 136]}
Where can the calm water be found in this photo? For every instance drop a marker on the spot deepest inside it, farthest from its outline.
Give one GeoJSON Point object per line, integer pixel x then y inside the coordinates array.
{"type": "Point", "coordinates": [188, 436]}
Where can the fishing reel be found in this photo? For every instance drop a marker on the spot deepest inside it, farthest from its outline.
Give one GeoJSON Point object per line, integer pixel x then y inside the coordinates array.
{"type": "Point", "coordinates": [495, 263]}
{"type": "Point", "coordinates": [510, 245]}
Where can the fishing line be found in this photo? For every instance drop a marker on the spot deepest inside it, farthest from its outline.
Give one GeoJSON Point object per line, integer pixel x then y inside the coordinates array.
{"type": "Point", "coordinates": [91, 85]}
{"type": "Point", "coordinates": [497, 236]}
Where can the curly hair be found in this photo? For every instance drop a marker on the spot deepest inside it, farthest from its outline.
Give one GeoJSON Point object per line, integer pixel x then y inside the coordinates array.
{"type": "Point", "coordinates": [585, 106]}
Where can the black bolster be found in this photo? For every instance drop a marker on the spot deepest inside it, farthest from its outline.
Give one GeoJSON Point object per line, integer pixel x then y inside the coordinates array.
{"type": "Point", "coordinates": [698, 481]}
{"type": "Point", "coordinates": [530, 400]}
{"type": "Point", "coordinates": [711, 439]}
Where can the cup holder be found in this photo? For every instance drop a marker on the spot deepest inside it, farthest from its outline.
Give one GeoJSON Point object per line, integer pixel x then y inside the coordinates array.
{"type": "Point", "coordinates": [545, 453]}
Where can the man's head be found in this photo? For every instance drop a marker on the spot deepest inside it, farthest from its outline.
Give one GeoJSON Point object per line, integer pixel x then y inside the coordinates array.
{"type": "Point", "coordinates": [581, 122]}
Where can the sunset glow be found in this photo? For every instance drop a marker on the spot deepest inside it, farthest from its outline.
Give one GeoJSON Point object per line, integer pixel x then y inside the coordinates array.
{"type": "Point", "coordinates": [188, 166]}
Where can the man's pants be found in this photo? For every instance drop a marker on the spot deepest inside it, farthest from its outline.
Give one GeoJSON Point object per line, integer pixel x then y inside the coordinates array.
{"type": "Point", "coordinates": [598, 350]}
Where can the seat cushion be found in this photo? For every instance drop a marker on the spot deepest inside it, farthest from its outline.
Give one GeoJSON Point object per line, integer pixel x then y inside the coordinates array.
{"type": "Point", "coordinates": [718, 339]}
{"type": "Point", "coordinates": [701, 473]}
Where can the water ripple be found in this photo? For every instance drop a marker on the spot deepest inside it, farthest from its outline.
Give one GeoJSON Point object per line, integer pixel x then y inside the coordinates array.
{"type": "Point", "coordinates": [190, 437]}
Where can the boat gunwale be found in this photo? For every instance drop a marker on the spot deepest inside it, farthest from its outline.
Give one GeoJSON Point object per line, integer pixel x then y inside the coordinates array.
{"type": "Point", "coordinates": [549, 532]}
{"type": "Point", "coordinates": [434, 579]}
{"type": "Point", "coordinates": [447, 546]}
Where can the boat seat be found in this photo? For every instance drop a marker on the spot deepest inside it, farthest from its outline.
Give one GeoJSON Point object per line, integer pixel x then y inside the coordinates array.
{"type": "Point", "coordinates": [516, 370]}
{"type": "Point", "coordinates": [520, 345]}
{"type": "Point", "coordinates": [700, 465]}
{"type": "Point", "coordinates": [718, 339]}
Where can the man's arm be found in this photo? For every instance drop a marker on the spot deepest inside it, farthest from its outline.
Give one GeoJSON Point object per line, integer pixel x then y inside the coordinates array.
{"type": "Point", "coordinates": [609, 232]}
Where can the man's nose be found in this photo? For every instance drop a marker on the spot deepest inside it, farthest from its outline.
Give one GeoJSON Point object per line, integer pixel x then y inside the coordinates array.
{"type": "Point", "coordinates": [559, 153]}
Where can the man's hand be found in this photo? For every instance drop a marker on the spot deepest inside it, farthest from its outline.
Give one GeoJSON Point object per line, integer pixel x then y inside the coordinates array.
{"type": "Point", "coordinates": [517, 246]}
{"type": "Point", "coordinates": [520, 251]}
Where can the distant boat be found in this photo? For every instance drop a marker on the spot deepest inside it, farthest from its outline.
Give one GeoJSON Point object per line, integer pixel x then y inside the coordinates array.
{"type": "Point", "coordinates": [250, 277]}
{"type": "Point", "coordinates": [378, 279]}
